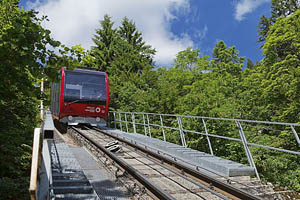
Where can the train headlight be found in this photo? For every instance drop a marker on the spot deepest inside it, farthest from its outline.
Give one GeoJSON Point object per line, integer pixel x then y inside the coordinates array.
{"type": "Point", "coordinates": [97, 119]}
{"type": "Point", "coordinates": [70, 118]}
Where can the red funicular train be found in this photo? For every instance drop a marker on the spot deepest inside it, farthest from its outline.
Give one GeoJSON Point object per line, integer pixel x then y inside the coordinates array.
{"type": "Point", "coordinates": [81, 97]}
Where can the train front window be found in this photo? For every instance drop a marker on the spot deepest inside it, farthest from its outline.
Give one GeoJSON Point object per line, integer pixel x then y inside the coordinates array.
{"type": "Point", "coordinates": [85, 88]}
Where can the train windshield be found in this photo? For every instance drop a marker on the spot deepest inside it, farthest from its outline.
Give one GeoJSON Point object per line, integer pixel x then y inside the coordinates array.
{"type": "Point", "coordinates": [85, 88]}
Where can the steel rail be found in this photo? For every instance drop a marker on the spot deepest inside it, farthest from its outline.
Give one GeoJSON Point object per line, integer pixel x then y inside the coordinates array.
{"type": "Point", "coordinates": [207, 188]}
{"type": "Point", "coordinates": [234, 191]}
{"type": "Point", "coordinates": [204, 187]}
{"type": "Point", "coordinates": [187, 178]}
{"type": "Point", "coordinates": [154, 189]}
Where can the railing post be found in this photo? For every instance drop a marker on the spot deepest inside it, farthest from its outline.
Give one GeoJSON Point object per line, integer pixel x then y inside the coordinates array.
{"type": "Point", "coordinates": [162, 127]}
{"type": "Point", "coordinates": [296, 135]}
{"type": "Point", "coordinates": [126, 123]}
{"type": "Point", "coordinates": [149, 129]}
{"type": "Point", "coordinates": [145, 130]}
{"type": "Point", "coordinates": [133, 121]}
{"type": "Point", "coordinates": [207, 137]}
{"type": "Point", "coordinates": [181, 131]}
{"type": "Point", "coordinates": [115, 122]}
{"type": "Point", "coordinates": [120, 119]}
{"type": "Point", "coordinates": [245, 144]}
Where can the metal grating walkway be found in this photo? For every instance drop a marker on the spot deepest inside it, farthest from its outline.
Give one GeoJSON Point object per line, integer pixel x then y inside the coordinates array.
{"type": "Point", "coordinates": [76, 175]}
{"type": "Point", "coordinates": [215, 164]}
{"type": "Point", "coordinates": [68, 179]}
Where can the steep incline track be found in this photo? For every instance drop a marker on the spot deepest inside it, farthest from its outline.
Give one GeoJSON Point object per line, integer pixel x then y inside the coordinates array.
{"type": "Point", "coordinates": [160, 176]}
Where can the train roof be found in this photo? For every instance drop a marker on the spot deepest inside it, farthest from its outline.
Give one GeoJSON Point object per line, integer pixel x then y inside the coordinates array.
{"type": "Point", "coordinates": [87, 71]}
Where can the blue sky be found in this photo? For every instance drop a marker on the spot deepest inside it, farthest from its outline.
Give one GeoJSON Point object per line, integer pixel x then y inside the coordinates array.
{"type": "Point", "coordinates": [217, 17]}
{"type": "Point", "coordinates": [169, 26]}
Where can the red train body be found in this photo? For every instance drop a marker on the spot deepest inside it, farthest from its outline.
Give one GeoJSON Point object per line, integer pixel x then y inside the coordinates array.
{"type": "Point", "coordinates": [81, 96]}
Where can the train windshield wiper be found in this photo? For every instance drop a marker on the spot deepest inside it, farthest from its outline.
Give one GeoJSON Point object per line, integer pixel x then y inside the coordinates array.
{"type": "Point", "coordinates": [89, 101]}
{"type": "Point", "coordinates": [77, 100]}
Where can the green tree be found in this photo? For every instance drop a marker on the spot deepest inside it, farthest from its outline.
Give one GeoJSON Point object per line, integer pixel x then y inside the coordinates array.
{"type": "Point", "coordinates": [187, 59]}
{"type": "Point", "coordinates": [128, 32]}
{"type": "Point", "coordinates": [226, 60]}
{"type": "Point", "coordinates": [103, 53]}
{"type": "Point", "coordinates": [122, 53]}
{"type": "Point", "coordinates": [250, 64]}
{"type": "Point", "coordinates": [283, 8]}
{"type": "Point", "coordinates": [263, 28]}
{"type": "Point", "coordinates": [281, 69]}
{"type": "Point", "coordinates": [23, 56]}
{"type": "Point", "coordinates": [271, 93]}
{"type": "Point", "coordinates": [279, 8]}
{"type": "Point", "coordinates": [132, 55]}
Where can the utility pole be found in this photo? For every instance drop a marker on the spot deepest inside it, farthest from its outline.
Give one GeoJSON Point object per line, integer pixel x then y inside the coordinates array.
{"type": "Point", "coordinates": [42, 94]}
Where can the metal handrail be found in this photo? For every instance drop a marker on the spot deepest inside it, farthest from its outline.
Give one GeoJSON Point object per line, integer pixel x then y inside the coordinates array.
{"type": "Point", "coordinates": [214, 118]}
{"type": "Point", "coordinates": [34, 164]}
{"type": "Point", "coordinates": [120, 118]}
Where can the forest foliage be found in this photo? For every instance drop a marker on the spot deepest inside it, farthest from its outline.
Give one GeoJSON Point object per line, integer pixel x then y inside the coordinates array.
{"type": "Point", "coordinates": [24, 53]}
{"type": "Point", "coordinates": [217, 85]}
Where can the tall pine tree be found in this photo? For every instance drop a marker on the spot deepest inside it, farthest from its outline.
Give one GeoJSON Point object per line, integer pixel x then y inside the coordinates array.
{"type": "Point", "coordinates": [132, 55]}
{"type": "Point", "coordinates": [104, 50]}
{"type": "Point", "coordinates": [279, 8]}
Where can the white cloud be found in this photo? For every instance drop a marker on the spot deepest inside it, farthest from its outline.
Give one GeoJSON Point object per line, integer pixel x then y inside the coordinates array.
{"type": "Point", "coordinates": [74, 21]}
{"type": "Point", "coordinates": [200, 35]}
{"type": "Point", "coordinates": [246, 6]}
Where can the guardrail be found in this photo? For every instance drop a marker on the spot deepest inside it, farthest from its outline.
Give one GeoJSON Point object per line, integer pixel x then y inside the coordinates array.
{"type": "Point", "coordinates": [238, 130]}
{"type": "Point", "coordinates": [34, 164]}
{"type": "Point", "coordinates": [41, 159]}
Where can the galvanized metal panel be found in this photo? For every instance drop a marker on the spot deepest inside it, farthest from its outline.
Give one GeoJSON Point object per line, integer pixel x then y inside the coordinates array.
{"type": "Point", "coordinates": [212, 163]}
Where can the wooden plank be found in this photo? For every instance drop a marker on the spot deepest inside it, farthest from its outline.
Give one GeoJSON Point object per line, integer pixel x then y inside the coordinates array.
{"type": "Point", "coordinates": [34, 163]}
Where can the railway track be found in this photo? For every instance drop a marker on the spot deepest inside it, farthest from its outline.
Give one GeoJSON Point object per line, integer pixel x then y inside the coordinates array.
{"type": "Point", "coordinates": [161, 177]}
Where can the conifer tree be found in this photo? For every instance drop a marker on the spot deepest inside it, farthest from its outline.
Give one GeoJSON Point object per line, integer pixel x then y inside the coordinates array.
{"type": "Point", "coordinates": [104, 50]}
{"type": "Point", "coordinates": [279, 8]}
{"type": "Point", "coordinates": [133, 55]}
